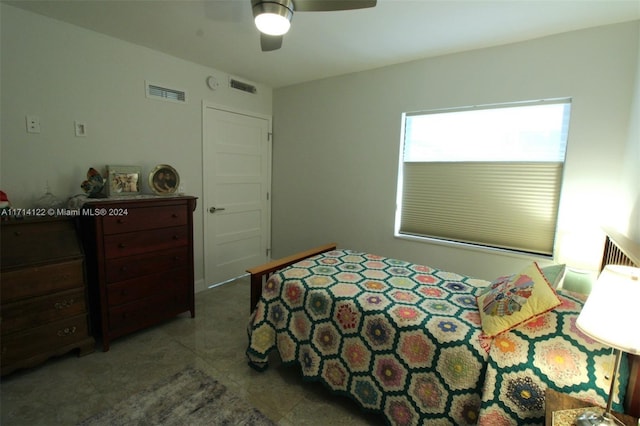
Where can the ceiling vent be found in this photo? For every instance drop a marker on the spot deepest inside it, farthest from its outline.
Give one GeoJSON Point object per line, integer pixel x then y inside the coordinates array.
{"type": "Point", "coordinates": [241, 85]}
{"type": "Point", "coordinates": [155, 91]}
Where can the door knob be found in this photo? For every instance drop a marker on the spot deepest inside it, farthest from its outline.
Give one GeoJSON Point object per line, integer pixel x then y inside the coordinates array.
{"type": "Point", "coordinates": [214, 209]}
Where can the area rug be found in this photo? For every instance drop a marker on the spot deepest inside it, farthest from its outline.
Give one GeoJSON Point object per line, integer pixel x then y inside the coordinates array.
{"type": "Point", "coordinates": [189, 397]}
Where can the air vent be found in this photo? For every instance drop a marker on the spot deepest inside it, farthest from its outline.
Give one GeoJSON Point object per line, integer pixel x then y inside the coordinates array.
{"type": "Point", "coordinates": [241, 85]}
{"type": "Point", "coordinates": [155, 91]}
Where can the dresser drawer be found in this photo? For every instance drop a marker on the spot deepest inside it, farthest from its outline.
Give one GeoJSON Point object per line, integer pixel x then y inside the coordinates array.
{"type": "Point", "coordinates": [31, 242]}
{"type": "Point", "coordinates": [47, 338]}
{"type": "Point", "coordinates": [139, 219]}
{"type": "Point", "coordinates": [145, 264]}
{"type": "Point", "coordinates": [144, 312]}
{"type": "Point", "coordinates": [119, 245]}
{"type": "Point", "coordinates": [41, 310]}
{"type": "Point", "coordinates": [171, 282]}
{"type": "Point", "coordinates": [40, 280]}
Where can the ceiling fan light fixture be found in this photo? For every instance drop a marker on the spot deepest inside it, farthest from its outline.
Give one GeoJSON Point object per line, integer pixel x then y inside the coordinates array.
{"type": "Point", "coordinates": [273, 18]}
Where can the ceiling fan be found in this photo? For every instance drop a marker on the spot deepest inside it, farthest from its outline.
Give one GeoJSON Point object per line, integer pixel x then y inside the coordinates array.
{"type": "Point", "coordinates": [273, 17]}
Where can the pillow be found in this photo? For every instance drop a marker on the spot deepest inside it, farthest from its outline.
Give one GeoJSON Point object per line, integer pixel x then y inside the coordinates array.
{"type": "Point", "coordinates": [555, 274]}
{"type": "Point", "coordinates": [579, 281]}
{"type": "Point", "coordinates": [515, 299]}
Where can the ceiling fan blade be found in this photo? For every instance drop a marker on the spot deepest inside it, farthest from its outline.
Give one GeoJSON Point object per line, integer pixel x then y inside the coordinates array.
{"type": "Point", "coordinates": [269, 42]}
{"type": "Point", "coordinates": [329, 5]}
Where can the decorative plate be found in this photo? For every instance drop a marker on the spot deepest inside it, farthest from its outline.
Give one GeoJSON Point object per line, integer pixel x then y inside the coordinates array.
{"type": "Point", "coordinates": [164, 179]}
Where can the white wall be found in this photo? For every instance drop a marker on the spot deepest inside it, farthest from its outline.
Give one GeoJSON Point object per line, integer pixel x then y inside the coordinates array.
{"type": "Point", "coordinates": [336, 143]}
{"type": "Point", "coordinates": [630, 197]}
{"type": "Point", "coordinates": [63, 73]}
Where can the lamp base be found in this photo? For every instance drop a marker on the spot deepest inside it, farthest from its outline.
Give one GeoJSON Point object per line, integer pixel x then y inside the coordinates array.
{"type": "Point", "coordinates": [592, 419]}
{"type": "Point", "coordinates": [610, 419]}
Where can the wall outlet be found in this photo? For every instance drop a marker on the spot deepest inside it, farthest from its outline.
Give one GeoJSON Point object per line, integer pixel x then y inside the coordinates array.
{"type": "Point", "coordinates": [33, 124]}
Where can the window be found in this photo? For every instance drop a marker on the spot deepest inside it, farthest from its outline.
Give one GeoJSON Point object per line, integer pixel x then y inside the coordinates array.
{"type": "Point", "coordinates": [488, 176]}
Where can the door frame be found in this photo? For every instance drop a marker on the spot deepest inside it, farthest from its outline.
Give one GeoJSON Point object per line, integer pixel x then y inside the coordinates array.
{"type": "Point", "coordinates": [206, 172]}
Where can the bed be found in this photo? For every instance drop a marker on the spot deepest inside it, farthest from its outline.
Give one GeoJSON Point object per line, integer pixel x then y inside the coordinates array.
{"type": "Point", "coordinates": [409, 341]}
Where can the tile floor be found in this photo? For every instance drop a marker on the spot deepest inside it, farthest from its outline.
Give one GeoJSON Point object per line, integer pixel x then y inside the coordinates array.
{"type": "Point", "coordinates": [67, 389]}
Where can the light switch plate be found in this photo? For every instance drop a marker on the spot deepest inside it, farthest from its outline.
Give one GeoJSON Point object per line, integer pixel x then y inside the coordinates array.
{"type": "Point", "coordinates": [81, 128]}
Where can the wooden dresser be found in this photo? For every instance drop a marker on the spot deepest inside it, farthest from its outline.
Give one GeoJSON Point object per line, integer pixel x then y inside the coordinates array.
{"type": "Point", "coordinates": [43, 292]}
{"type": "Point", "coordinates": [140, 261]}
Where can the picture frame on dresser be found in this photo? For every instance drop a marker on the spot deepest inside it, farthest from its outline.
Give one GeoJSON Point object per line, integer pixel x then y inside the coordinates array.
{"type": "Point", "coordinates": [123, 180]}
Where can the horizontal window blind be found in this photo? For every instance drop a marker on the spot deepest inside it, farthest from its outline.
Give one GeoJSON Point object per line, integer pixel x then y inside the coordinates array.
{"type": "Point", "coordinates": [511, 205]}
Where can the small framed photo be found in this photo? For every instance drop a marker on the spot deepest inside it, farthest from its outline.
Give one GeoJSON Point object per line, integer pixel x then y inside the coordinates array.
{"type": "Point", "coordinates": [164, 179]}
{"type": "Point", "coordinates": [123, 180]}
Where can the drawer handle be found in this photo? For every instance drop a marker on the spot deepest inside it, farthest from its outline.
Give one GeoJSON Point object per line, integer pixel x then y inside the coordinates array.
{"type": "Point", "coordinates": [68, 331]}
{"type": "Point", "coordinates": [175, 237]}
{"type": "Point", "coordinates": [123, 268]}
{"type": "Point", "coordinates": [174, 215]}
{"type": "Point", "coordinates": [122, 221]}
{"type": "Point", "coordinates": [17, 233]}
{"type": "Point", "coordinates": [64, 304]}
{"type": "Point", "coordinates": [122, 245]}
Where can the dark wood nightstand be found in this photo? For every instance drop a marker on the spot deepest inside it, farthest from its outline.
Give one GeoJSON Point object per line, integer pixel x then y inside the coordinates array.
{"type": "Point", "coordinates": [555, 401]}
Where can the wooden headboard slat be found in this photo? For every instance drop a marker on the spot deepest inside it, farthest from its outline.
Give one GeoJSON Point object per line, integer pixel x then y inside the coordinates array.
{"type": "Point", "coordinates": [620, 250]}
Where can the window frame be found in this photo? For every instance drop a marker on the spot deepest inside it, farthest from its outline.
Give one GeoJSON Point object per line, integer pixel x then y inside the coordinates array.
{"type": "Point", "coordinates": [480, 245]}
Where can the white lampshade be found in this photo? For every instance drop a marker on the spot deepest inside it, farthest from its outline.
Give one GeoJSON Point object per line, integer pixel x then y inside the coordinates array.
{"type": "Point", "coordinates": [273, 18]}
{"type": "Point", "coordinates": [611, 314]}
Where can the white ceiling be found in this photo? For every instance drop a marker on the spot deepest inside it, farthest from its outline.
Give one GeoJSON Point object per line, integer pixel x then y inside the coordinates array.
{"type": "Point", "coordinates": [220, 33]}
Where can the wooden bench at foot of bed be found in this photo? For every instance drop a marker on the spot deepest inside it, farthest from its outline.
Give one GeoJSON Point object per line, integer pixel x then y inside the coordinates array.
{"type": "Point", "coordinates": [261, 273]}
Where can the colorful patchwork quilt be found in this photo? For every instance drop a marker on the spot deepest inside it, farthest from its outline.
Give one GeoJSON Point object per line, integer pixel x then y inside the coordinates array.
{"type": "Point", "coordinates": [406, 341]}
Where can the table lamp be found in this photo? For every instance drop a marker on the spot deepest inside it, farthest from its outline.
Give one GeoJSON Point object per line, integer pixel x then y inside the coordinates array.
{"type": "Point", "coordinates": [610, 316]}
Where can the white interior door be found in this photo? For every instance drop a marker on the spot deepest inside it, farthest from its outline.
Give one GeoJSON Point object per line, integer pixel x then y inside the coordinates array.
{"type": "Point", "coordinates": [237, 179]}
